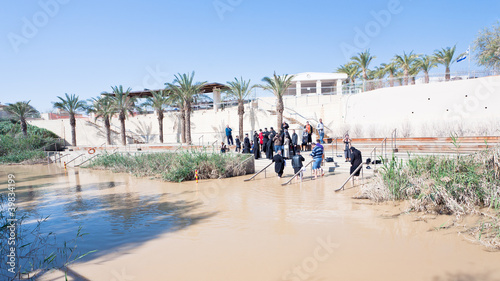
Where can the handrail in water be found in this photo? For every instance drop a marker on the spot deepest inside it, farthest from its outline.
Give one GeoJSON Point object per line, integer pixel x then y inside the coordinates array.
{"type": "Point", "coordinates": [75, 158]}
{"type": "Point", "coordinates": [347, 180]}
{"type": "Point", "coordinates": [87, 160]}
{"type": "Point", "coordinates": [288, 181]}
{"type": "Point", "coordinates": [259, 172]}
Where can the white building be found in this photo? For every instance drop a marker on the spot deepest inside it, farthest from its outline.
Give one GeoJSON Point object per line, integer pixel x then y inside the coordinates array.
{"type": "Point", "coordinates": [316, 83]}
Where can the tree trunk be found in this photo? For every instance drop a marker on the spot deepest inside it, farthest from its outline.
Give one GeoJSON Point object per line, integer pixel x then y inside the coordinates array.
{"type": "Point", "coordinates": [24, 127]}
{"type": "Point", "coordinates": [122, 121]}
{"type": "Point", "coordinates": [187, 122]}
{"type": "Point", "coordinates": [241, 111]}
{"type": "Point", "coordinates": [181, 124]}
{"type": "Point", "coordinates": [279, 111]}
{"type": "Point", "coordinates": [405, 73]}
{"type": "Point", "coordinates": [426, 77]}
{"type": "Point", "coordinates": [107, 124]}
{"type": "Point", "coordinates": [447, 75]}
{"type": "Point", "coordinates": [72, 122]}
{"type": "Point", "coordinates": [160, 123]}
{"type": "Point", "coordinates": [391, 80]}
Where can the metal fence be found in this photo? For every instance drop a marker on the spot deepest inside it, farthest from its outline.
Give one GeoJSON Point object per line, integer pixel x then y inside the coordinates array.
{"type": "Point", "coordinates": [370, 85]}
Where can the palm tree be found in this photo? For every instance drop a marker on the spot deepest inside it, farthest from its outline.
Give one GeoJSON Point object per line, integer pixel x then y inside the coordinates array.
{"type": "Point", "coordinates": [351, 70]}
{"type": "Point", "coordinates": [184, 87]}
{"type": "Point", "coordinates": [240, 90]}
{"type": "Point", "coordinates": [71, 104]}
{"type": "Point", "coordinates": [22, 110]}
{"type": "Point", "coordinates": [426, 63]}
{"type": "Point", "coordinates": [174, 99]}
{"type": "Point", "coordinates": [445, 56]}
{"type": "Point", "coordinates": [124, 105]}
{"type": "Point", "coordinates": [103, 107]}
{"type": "Point", "coordinates": [362, 61]}
{"type": "Point", "coordinates": [278, 84]}
{"type": "Point", "coordinates": [391, 69]}
{"type": "Point", "coordinates": [378, 74]}
{"type": "Point", "coordinates": [157, 101]}
{"type": "Point", "coordinates": [406, 62]}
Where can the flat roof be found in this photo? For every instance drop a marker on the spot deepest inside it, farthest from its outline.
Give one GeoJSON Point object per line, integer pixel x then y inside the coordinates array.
{"type": "Point", "coordinates": [313, 76]}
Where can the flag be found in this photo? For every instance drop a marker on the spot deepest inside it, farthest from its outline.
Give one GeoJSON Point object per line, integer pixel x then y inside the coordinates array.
{"type": "Point", "coordinates": [463, 56]}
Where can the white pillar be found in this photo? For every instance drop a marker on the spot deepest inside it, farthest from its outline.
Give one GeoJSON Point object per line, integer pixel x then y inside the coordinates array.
{"type": "Point", "coordinates": [318, 87]}
{"type": "Point", "coordinates": [298, 90]}
{"type": "Point", "coordinates": [339, 87]}
{"type": "Point", "coordinates": [217, 98]}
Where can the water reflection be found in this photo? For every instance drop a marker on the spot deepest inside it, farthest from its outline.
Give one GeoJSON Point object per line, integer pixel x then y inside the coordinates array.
{"type": "Point", "coordinates": [111, 212]}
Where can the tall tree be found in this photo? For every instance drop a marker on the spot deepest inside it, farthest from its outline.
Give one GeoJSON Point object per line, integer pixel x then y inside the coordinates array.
{"type": "Point", "coordinates": [446, 57]}
{"type": "Point", "coordinates": [22, 110]}
{"type": "Point", "coordinates": [103, 107]}
{"type": "Point", "coordinates": [176, 100]}
{"type": "Point", "coordinates": [406, 62]}
{"type": "Point", "coordinates": [158, 100]}
{"type": "Point", "coordinates": [239, 90]}
{"type": "Point", "coordinates": [426, 63]}
{"type": "Point", "coordinates": [72, 105]}
{"type": "Point", "coordinates": [391, 69]}
{"type": "Point", "coordinates": [363, 60]}
{"type": "Point", "coordinates": [278, 84]}
{"type": "Point", "coordinates": [487, 47]}
{"type": "Point", "coordinates": [124, 105]}
{"type": "Point", "coordinates": [184, 86]}
{"type": "Point", "coordinates": [351, 70]}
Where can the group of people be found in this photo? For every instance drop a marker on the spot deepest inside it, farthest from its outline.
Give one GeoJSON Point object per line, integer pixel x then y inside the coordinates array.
{"type": "Point", "coordinates": [280, 146]}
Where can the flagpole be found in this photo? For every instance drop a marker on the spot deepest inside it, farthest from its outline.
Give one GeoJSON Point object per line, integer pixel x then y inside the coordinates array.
{"type": "Point", "coordinates": [468, 68]}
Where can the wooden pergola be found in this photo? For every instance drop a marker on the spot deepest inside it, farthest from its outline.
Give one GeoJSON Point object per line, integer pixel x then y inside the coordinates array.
{"type": "Point", "coordinates": [207, 88]}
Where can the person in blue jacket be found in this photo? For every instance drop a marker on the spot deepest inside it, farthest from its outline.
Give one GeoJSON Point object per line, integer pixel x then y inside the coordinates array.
{"type": "Point", "coordinates": [229, 135]}
{"type": "Point", "coordinates": [317, 155]}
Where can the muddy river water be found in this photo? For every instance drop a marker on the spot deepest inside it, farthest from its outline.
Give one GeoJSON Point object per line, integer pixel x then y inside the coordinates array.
{"type": "Point", "coordinates": [233, 230]}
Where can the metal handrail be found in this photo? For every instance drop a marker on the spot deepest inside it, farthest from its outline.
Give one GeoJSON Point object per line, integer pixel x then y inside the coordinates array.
{"type": "Point", "coordinates": [60, 157]}
{"type": "Point", "coordinates": [87, 160]}
{"type": "Point", "coordinates": [352, 175]}
{"type": "Point", "coordinates": [259, 172]}
{"type": "Point", "coordinates": [213, 145]}
{"type": "Point", "coordinates": [374, 150]}
{"type": "Point", "coordinates": [393, 140]}
{"type": "Point", "coordinates": [200, 142]}
{"type": "Point", "coordinates": [75, 158]}
{"type": "Point", "coordinates": [310, 162]}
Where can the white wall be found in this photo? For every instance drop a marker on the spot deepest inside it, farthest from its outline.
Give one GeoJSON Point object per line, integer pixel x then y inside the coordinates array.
{"type": "Point", "coordinates": [416, 110]}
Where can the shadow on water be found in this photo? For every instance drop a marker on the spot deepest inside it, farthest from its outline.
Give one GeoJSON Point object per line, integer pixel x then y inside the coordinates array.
{"type": "Point", "coordinates": [113, 221]}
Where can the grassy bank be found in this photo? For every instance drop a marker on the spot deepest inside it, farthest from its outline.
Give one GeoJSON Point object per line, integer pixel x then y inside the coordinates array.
{"type": "Point", "coordinates": [175, 167]}
{"type": "Point", "coordinates": [17, 148]}
{"type": "Point", "coordinates": [457, 185]}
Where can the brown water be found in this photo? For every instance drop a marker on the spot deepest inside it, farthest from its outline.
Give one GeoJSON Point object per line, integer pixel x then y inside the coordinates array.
{"type": "Point", "coordinates": [234, 230]}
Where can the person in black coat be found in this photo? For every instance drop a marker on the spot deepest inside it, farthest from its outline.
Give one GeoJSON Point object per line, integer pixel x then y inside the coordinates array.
{"type": "Point", "coordinates": [246, 144]}
{"type": "Point", "coordinates": [279, 164]}
{"type": "Point", "coordinates": [269, 149]}
{"type": "Point", "coordinates": [295, 142]}
{"type": "Point", "coordinates": [256, 150]}
{"type": "Point", "coordinates": [265, 139]}
{"type": "Point", "coordinates": [238, 144]}
{"type": "Point", "coordinates": [284, 126]}
{"type": "Point", "coordinates": [356, 160]}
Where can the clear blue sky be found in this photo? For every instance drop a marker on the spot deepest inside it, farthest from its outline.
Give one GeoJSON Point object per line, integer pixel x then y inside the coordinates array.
{"type": "Point", "coordinates": [84, 47]}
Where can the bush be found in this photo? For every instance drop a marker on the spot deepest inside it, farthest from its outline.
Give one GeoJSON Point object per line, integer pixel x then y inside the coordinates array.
{"type": "Point", "coordinates": [16, 148]}
{"type": "Point", "coordinates": [174, 167]}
